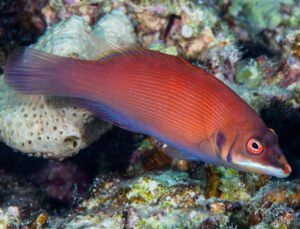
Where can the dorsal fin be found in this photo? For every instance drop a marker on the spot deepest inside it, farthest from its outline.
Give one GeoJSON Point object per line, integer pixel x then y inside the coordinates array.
{"type": "Point", "coordinates": [103, 50]}
{"type": "Point", "coordinates": [115, 53]}
{"type": "Point", "coordinates": [98, 47]}
{"type": "Point", "coordinates": [139, 52]}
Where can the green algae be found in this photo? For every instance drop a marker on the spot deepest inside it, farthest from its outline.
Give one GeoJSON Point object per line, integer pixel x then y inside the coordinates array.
{"type": "Point", "coordinates": [262, 96]}
{"type": "Point", "coordinates": [171, 50]}
{"type": "Point", "coordinates": [258, 14]}
{"type": "Point", "coordinates": [170, 178]}
{"type": "Point", "coordinates": [150, 188]}
{"type": "Point", "coordinates": [231, 185]}
{"type": "Point", "coordinates": [146, 190]}
{"type": "Point", "coordinates": [145, 145]}
{"type": "Point", "coordinates": [166, 199]}
{"type": "Point", "coordinates": [249, 73]}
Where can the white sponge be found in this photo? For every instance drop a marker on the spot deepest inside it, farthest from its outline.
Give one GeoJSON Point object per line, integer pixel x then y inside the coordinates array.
{"type": "Point", "coordinates": [51, 127]}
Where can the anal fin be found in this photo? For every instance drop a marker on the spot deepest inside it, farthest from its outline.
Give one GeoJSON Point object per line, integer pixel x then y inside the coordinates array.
{"type": "Point", "coordinates": [108, 114]}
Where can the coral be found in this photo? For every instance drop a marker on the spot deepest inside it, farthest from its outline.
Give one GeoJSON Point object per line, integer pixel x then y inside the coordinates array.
{"type": "Point", "coordinates": [277, 217]}
{"type": "Point", "coordinates": [182, 165]}
{"type": "Point", "coordinates": [150, 156]}
{"type": "Point", "coordinates": [213, 182]}
{"type": "Point", "coordinates": [249, 73]}
{"type": "Point", "coordinates": [155, 160]}
{"type": "Point", "coordinates": [10, 217]}
{"type": "Point", "coordinates": [212, 34]}
{"type": "Point", "coordinates": [116, 28]}
{"type": "Point", "coordinates": [262, 96]}
{"type": "Point", "coordinates": [276, 205]}
{"type": "Point", "coordinates": [232, 188]}
{"type": "Point", "coordinates": [39, 222]}
{"type": "Point", "coordinates": [279, 192]}
{"type": "Point", "coordinates": [289, 75]}
{"type": "Point", "coordinates": [15, 191]}
{"type": "Point", "coordinates": [189, 28]}
{"type": "Point", "coordinates": [147, 157]}
{"type": "Point", "coordinates": [259, 25]}
{"type": "Point", "coordinates": [71, 37]}
{"type": "Point", "coordinates": [171, 50]}
{"type": "Point", "coordinates": [230, 184]}
{"type": "Point", "coordinates": [227, 184]}
{"type": "Point", "coordinates": [61, 9]}
{"type": "Point", "coordinates": [44, 126]}
{"type": "Point", "coordinates": [170, 199]}
{"type": "Point", "coordinates": [155, 200]}
{"type": "Point", "coordinates": [223, 59]}
{"type": "Point", "coordinates": [258, 15]}
{"type": "Point", "coordinates": [294, 39]}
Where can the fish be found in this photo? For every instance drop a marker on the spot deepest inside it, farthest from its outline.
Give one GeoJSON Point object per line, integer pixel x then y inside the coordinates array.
{"type": "Point", "coordinates": [195, 114]}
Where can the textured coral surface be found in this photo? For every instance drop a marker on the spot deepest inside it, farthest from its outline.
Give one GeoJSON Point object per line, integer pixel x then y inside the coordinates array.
{"type": "Point", "coordinates": [123, 179]}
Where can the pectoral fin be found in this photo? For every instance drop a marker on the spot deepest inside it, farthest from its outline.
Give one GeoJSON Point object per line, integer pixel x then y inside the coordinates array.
{"type": "Point", "coordinates": [174, 153]}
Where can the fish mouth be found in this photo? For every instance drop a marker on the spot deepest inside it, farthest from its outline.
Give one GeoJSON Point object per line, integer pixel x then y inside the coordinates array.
{"type": "Point", "coordinates": [280, 172]}
{"type": "Point", "coordinates": [287, 170]}
{"type": "Point", "coordinates": [282, 167]}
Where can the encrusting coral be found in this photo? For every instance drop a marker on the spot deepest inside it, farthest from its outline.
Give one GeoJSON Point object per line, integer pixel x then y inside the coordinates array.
{"type": "Point", "coordinates": [116, 27]}
{"type": "Point", "coordinates": [156, 200]}
{"type": "Point", "coordinates": [170, 199]}
{"type": "Point", "coordinates": [10, 217]}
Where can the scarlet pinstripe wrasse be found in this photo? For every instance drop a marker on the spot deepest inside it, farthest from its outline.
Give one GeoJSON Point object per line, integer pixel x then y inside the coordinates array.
{"type": "Point", "coordinates": [164, 96]}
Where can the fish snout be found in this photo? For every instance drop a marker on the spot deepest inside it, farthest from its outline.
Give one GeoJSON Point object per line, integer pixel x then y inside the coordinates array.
{"type": "Point", "coordinates": [284, 172]}
{"type": "Point", "coordinates": [287, 169]}
{"type": "Point", "coordinates": [275, 163]}
{"type": "Point", "coordinates": [283, 167]}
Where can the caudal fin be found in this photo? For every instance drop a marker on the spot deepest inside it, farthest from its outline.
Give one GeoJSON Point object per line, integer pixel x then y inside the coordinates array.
{"type": "Point", "coordinates": [34, 72]}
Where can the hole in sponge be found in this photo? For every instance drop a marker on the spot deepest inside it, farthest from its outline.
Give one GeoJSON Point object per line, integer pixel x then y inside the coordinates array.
{"type": "Point", "coordinates": [71, 142]}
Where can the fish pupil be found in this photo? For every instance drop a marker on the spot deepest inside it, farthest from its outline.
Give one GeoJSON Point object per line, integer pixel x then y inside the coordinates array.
{"type": "Point", "coordinates": [255, 145]}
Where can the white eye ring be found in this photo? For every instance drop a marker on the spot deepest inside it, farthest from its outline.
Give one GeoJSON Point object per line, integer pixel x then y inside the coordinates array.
{"type": "Point", "coordinates": [255, 146]}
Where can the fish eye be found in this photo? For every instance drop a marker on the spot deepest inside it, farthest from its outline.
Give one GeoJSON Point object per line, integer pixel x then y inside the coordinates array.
{"type": "Point", "coordinates": [254, 146]}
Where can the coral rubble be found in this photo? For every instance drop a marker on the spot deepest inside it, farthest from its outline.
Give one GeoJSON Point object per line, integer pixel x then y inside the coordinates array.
{"type": "Point", "coordinates": [170, 199]}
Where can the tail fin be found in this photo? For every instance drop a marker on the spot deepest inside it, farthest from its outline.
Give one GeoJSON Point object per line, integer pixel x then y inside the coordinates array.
{"type": "Point", "coordinates": [34, 72]}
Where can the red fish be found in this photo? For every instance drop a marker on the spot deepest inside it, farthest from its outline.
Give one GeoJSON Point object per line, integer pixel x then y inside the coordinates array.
{"type": "Point", "coordinates": [159, 95]}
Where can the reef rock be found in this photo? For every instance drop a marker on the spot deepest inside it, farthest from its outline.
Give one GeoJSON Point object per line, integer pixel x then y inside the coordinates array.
{"type": "Point", "coordinates": [115, 27]}
{"type": "Point", "coordinates": [10, 217]}
{"type": "Point", "coordinates": [170, 199]}
{"type": "Point", "coordinates": [155, 200]}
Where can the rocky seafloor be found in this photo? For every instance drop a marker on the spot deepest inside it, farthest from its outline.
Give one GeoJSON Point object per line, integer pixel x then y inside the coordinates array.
{"type": "Point", "coordinates": [119, 179]}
